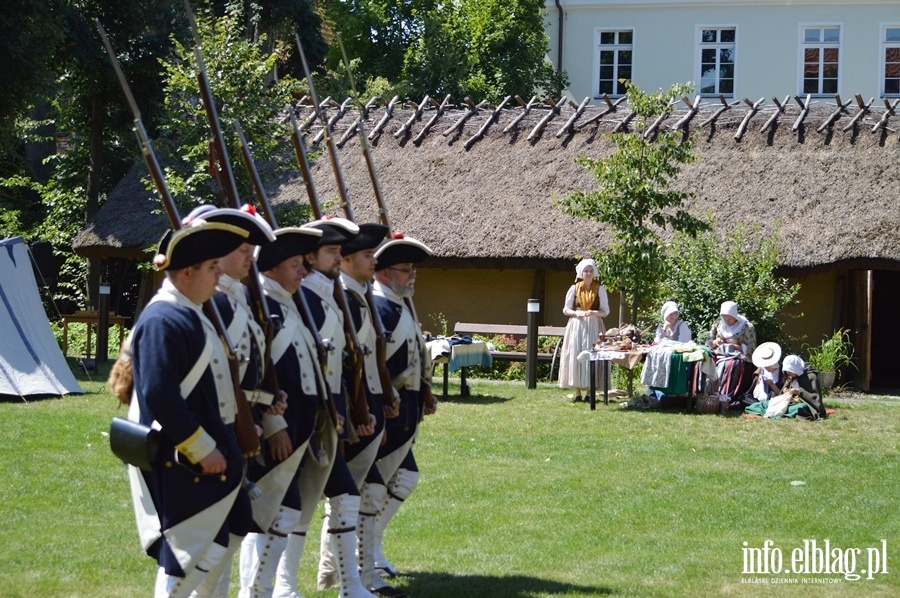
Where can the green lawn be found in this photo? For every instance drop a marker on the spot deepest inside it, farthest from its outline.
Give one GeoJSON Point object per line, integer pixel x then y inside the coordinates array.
{"type": "Point", "coordinates": [522, 494]}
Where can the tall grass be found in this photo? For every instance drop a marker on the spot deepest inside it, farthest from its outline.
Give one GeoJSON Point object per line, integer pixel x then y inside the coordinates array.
{"type": "Point", "coordinates": [522, 494]}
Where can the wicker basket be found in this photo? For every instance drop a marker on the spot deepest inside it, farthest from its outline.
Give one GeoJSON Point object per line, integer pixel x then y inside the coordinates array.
{"type": "Point", "coordinates": [707, 404]}
{"type": "Point", "coordinates": [708, 401]}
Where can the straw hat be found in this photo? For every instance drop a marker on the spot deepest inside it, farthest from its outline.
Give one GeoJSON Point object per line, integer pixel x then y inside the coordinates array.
{"type": "Point", "coordinates": [766, 354]}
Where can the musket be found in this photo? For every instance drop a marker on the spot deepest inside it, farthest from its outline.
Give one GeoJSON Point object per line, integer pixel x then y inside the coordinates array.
{"type": "Point", "coordinates": [325, 396]}
{"type": "Point", "coordinates": [382, 211]}
{"type": "Point", "coordinates": [384, 375]}
{"type": "Point", "coordinates": [227, 182]}
{"type": "Point", "coordinates": [244, 427]}
{"type": "Point", "coordinates": [357, 391]}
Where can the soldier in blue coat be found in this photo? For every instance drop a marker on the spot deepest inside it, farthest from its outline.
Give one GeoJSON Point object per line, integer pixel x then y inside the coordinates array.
{"type": "Point", "coordinates": [186, 505]}
{"type": "Point", "coordinates": [410, 368]}
{"type": "Point", "coordinates": [249, 341]}
{"type": "Point", "coordinates": [334, 480]}
{"type": "Point", "coordinates": [357, 272]}
{"type": "Point", "coordinates": [278, 511]}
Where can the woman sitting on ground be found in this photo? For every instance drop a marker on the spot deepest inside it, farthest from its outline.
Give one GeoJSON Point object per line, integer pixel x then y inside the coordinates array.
{"type": "Point", "coordinates": [732, 339]}
{"type": "Point", "coordinates": [767, 381]}
{"type": "Point", "coordinates": [672, 328]}
{"type": "Point", "coordinates": [803, 383]}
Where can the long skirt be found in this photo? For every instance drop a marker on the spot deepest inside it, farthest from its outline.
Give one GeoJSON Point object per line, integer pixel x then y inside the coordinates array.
{"type": "Point", "coordinates": [735, 377]}
{"type": "Point", "coordinates": [581, 335]}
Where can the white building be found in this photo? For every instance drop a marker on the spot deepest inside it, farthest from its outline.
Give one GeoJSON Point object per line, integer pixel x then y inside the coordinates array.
{"type": "Point", "coordinates": [737, 48]}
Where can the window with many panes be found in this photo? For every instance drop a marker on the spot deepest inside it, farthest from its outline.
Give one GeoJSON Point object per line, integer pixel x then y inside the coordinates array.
{"type": "Point", "coordinates": [890, 40]}
{"type": "Point", "coordinates": [717, 61]}
{"type": "Point", "coordinates": [615, 51]}
{"type": "Point", "coordinates": [821, 51]}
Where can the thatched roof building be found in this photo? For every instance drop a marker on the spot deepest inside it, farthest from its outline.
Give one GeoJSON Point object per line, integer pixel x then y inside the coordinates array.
{"type": "Point", "coordinates": [491, 204]}
{"type": "Point", "coordinates": [483, 199]}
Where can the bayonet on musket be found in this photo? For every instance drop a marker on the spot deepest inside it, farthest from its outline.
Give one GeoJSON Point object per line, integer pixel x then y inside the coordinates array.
{"type": "Point", "coordinates": [244, 427]}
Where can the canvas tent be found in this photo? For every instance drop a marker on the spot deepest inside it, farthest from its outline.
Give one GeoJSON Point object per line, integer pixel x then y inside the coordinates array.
{"type": "Point", "coordinates": [31, 363]}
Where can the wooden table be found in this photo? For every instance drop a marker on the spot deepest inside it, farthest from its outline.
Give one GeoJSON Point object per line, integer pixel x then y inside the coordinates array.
{"type": "Point", "coordinates": [91, 318]}
{"type": "Point", "coordinates": [462, 356]}
{"type": "Point", "coordinates": [628, 359]}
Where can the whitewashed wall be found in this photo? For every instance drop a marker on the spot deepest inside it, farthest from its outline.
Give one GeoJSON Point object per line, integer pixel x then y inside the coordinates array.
{"type": "Point", "coordinates": [768, 61]}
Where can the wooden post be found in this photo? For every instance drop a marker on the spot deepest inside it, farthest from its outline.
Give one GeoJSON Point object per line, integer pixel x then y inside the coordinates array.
{"type": "Point", "coordinates": [416, 115]}
{"type": "Point", "coordinates": [804, 110]}
{"type": "Point", "coordinates": [754, 108]}
{"type": "Point", "coordinates": [102, 323]}
{"type": "Point", "coordinates": [531, 343]}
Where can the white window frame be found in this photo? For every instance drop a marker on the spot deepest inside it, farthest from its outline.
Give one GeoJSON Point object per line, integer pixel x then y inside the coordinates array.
{"type": "Point", "coordinates": [700, 45]}
{"type": "Point", "coordinates": [801, 56]}
{"type": "Point", "coordinates": [595, 78]}
{"type": "Point", "coordinates": [883, 45]}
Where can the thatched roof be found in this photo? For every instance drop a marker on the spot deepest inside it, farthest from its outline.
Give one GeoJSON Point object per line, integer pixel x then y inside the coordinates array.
{"type": "Point", "coordinates": [488, 202]}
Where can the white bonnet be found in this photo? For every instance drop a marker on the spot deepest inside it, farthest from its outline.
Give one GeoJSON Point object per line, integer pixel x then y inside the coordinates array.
{"type": "Point", "coordinates": [729, 308]}
{"type": "Point", "coordinates": [667, 308]}
{"type": "Point", "coordinates": [794, 365]}
{"type": "Point", "coordinates": [579, 269]}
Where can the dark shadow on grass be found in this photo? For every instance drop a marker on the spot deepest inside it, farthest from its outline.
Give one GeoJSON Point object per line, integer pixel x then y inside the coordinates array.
{"type": "Point", "coordinates": [487, 586]}
{"type": "Point", "coordinates": [474, 400]}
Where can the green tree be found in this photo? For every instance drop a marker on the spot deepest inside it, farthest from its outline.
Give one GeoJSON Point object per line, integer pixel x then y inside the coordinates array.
{"type": "Point", "coordinates": [485, 49]}
{"type": "Point", "coordinates": [78, 101]}
{"type": "Point", "coordinates": [709, 268]}
{"type": "Point", "coordinates": [239, 72]}
{"type": "Point", "coordinates": [636, 199]}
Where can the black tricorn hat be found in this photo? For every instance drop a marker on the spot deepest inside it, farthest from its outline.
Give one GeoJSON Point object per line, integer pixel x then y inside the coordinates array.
{"type": "Point", "coordinates": [335, 231]}
{"type": "Point", "coordinates": [289, 241]}
{"type": "Point", "coordinates": [245, 218]}
{"type": "Point", "coordinates": [197, 243]}
{"type": "Point", "coordinates": [369, 237]}
{"type": "Point", "coordinates": [401, 250]}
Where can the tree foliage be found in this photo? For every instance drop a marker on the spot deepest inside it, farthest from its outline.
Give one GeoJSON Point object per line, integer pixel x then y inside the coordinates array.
{"type": "Point", "coordinates": [635, 198]}
{"type": "Point", "coordinates": [485, 49]}
{"type": "Point", "coordinates": [739, 265]}
{"type": "Point", "coordinates": [239, 72]}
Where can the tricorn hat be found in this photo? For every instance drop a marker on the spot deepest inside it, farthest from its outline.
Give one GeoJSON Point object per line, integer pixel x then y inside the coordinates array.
{"type": "Point", "coordinates": [369, 237]}
{"type": "Point", "coordinates": [401, 249]}
{"type": "Point", "coordinates": [766, 354]}
{"type": "Point", "coordinates": [289, 241]}
{"type": "Point", "coordinates": [335, 231]}
{"type": "Point", "coordinates": [197, 243]}
{"type": "Point", "coordinates": [246, 218]}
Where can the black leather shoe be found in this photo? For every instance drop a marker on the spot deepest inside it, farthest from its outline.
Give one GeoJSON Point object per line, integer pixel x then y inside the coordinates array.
{"type": "Point", "coordinates": [389, 591]}
{"type": "Point", "coordinates": [577, 399]}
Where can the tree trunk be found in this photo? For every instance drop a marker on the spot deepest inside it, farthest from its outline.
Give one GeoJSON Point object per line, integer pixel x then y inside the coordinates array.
{"type": "Point", "coordinates": [98, 108]}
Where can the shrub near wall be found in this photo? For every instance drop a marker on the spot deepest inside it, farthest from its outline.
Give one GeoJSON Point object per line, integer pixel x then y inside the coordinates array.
{"type": "Point", "coordinates": [738, 266]}
{"type": "Point", "coordinates": [515, 370]}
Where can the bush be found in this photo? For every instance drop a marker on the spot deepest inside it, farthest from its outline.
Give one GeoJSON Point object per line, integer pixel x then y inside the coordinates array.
{"type": "Point", "coordinates": [833, 353]}
{"type": "Point", "coordinates": [706, 270]}
{"type": "Point", "coordinates": [515, 370]}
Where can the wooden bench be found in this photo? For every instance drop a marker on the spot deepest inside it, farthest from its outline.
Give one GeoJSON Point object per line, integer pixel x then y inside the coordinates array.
{"type": "Point", "coordinates": [468, 329]}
